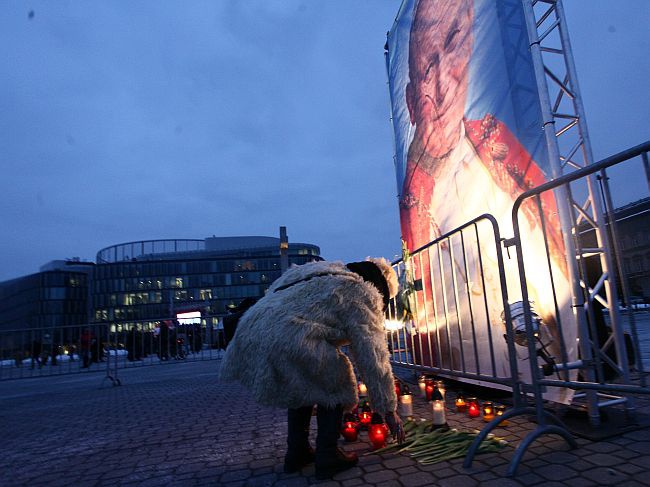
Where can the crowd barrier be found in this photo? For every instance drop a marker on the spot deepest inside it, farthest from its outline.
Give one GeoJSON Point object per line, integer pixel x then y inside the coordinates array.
{"type": "Point", "coordinates": [546, 313]}
{"type": "Point", "coordinates": [105, 347]}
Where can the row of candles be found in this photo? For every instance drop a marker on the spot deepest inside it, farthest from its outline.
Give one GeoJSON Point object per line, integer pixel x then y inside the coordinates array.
{"type": "Point", "coordinates": [378, 432]}
{"type": "Point", "coordinates": [433, 391]}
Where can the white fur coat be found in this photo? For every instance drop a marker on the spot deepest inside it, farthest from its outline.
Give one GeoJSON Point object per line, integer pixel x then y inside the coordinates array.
{"type": "Point", "coordinates": [286, 348]}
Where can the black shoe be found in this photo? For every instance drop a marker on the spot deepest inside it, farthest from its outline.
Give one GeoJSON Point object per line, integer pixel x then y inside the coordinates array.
{"type": "Point", "coordinates": [327, 466]}
{"type": "Point", "coordinates": [294, 462]}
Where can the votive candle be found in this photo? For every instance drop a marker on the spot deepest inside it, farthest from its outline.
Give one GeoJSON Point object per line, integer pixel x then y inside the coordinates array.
{"type": "Point", "coordinates": [499, 410]}
{"type": "Point", "coordinates": [473, 408]}
{"type": "Point", "coordinates": [488, 411]}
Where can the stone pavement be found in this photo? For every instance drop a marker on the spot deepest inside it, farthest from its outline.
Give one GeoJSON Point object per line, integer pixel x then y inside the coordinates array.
{"type": "Point", "coordinates": [175, 425]}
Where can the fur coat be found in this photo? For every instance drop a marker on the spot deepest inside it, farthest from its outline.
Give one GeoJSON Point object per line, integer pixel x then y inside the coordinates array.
{"type": "Point", "coordinates": [287, 346]}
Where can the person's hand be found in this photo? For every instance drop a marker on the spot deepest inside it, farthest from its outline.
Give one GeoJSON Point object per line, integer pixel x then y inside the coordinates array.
{"type": "Point", "coordinates": [395, 425]}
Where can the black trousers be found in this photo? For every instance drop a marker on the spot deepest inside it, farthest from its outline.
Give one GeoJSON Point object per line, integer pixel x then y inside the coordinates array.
{"type": "Point", "coordinates": [329, 422]}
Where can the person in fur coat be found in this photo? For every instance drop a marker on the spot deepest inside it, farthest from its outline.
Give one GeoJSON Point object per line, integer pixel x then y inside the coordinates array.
{"type": "Point", "coordinates": [287, 350]}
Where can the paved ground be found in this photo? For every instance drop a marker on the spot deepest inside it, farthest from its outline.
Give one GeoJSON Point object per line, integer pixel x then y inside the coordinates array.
{"type": "Point", "coordinates": [176, 425]}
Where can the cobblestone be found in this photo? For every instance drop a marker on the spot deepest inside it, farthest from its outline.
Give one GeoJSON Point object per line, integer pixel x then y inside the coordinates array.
{"type": "Point", "coordinates": [178, 426]}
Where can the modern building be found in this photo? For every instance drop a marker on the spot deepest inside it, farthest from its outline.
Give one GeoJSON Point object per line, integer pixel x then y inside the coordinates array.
{"type": "Point", "coordinates": [633, 227]}
{"type": "Point", "coordinates": [54, 297]}
{"type": "Point", "coordinates": [633, 239]}
{"type": "Point", "coordinates": [142, 283]}
{"type": "Point", "coordinates": [135, 286]}
{"type": "Point", "coordinates": [45, 308]}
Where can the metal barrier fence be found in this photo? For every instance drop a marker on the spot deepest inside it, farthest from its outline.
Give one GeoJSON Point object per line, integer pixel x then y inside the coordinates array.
{"type": "Point", "coordinates": [105, 347]}
{"type": "Point", "coordinates": [599, 278]}
{"type": "Point", "coordinates": [449, 317]}
{"type": "Point", "coordinates": [536, 321]}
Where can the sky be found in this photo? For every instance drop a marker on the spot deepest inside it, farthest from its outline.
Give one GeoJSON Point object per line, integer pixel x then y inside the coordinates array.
{"type": "Point", "coordinates": [123, 121]}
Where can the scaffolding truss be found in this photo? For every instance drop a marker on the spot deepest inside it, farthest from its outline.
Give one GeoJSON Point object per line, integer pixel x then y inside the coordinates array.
{"type": "Point", "coordinates": [569, 149]}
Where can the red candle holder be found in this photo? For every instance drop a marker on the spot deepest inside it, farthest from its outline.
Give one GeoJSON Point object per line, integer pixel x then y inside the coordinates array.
{"type": "Point", "coordinates": [473, 407]}
{"type": "Point", "coordinates": [398, 388]}
{"type": "Point", "coordinates": [377, 432]}
{"type": "Point", "coordinates": [350, 430]}
{"type": "Point", "coordinates": [429, 387]}
{"type": "Point", "coordinates": [365, 414]}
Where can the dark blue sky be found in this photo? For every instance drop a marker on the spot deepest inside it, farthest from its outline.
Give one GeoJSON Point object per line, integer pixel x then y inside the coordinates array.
{"type": "Point", "coordinates": [124, 121]}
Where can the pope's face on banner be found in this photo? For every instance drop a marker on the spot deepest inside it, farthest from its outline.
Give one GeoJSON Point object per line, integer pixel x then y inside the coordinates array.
{"type": "Point", "coordinates": [439, 51]}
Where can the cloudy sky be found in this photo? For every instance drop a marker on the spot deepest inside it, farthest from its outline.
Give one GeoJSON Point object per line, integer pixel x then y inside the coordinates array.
{"type": "Point", "coordinates": [123, 121]}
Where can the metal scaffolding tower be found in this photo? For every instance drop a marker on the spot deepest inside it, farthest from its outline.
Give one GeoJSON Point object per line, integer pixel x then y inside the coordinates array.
{"type": "Point", "coordinates": [569, 148]}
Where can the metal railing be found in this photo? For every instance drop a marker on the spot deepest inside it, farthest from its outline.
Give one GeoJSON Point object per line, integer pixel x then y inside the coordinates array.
{"type": "Point", "coordinates": [452, 329]}
{"type": "Point", "coordinates": [594, 355]}
{"type": "Point", "coordinates": [105, 347]}
{"type": "Point", "coordinates": [449, 327]}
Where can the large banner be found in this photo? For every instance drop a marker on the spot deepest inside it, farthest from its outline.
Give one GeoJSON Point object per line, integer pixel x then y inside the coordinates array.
{"type": "Point", "coordinates": [469, 140]}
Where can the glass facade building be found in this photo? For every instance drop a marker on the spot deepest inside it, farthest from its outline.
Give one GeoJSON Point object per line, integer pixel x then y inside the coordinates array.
{"type": "Point", "coordinates": [145, 282]}
{"type": "Point", "coordinates": [46, 308]}
{"type": "Point", "coordinates": [51, 298]}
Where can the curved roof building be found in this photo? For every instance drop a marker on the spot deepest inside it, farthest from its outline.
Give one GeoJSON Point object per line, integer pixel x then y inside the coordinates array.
{"type": "Point", "coordinates": [151, 280]}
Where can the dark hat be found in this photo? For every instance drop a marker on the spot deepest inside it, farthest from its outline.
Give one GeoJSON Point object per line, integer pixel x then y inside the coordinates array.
{"type": "Point", "coordinates": [372, 274]}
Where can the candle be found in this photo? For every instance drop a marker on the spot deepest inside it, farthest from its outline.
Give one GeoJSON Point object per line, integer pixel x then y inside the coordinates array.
{"type": "Point", "coordinates": [365, 414]}
{"type": "Point", "coordinates": [406, 403]}
{"type": "Point", "coordinates": [398, 388]}
{"type": "Point", "coordinates": [488, 411]}
{"type": "Point", "coordinates": [363, 390]}
{"type": "Point", "coordinates": [461, 405]}
{"type": "Point", "coordinates": [438, 406]}
{"type": "Point", "coordinates": [473, 408]}
{"type": "Point", "coordinates": [441, 387]}
{"type": "Point", "coordinates": [350, 429]}
{"type": "Point", "coordinates": [377, 432]}
{"type": "Point", "coordinates": [499, 410]}
{"type": "Point", "coordinates": [422, 385]}
{"type": "Point", "coordinates": [429, 387]}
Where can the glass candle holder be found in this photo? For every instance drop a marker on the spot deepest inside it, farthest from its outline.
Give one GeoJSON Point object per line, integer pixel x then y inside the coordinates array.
{"type": "Point", "coordinates": [363, 390]}
{"type": "Point", "coordinates": [461, 404]}
{"type": "Point", "coordinates": [473, 408]}
{"type": "Point", "coordinates": [377, 432]}
{"type": "Point", "coordinates": [406, 403]}
{"type": "Point", "coordinates": [429, 387]}
{"type": "Point", "coordinates": [350, 430]}
{"type": "Point", "coordinates": [365, 414]}
{"type": "Point", "coordinates": [438, 408]}
{"type": "Point", "coordinates": [488, 411]}
{"type": "Point", "coordinates": [422, 385]}
{"type": "Point", "coordinates": [398, 387]}
{"type": "Point", "coordinates": [440, 385]}
{"type": "Point", "coordinates": [499, 410]}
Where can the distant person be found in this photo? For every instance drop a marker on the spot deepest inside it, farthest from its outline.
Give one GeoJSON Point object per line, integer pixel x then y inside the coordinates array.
{"type": "Point", "coordinates": [163, 340]}
{"type": "Point", "coordinates": [231, 320]}
{"type": "Point", "coordinates": [287, 350]}
{"type": "Point", "coordinates": [37, 350]}
{"type": "Point", "coordinates": [85, 342]}
{"type": "Point", "coordinates": [134, 345]}
{"type": "Point", "coordinates": [18, 358]}
{"type": "Point", "coordinates": [55, 353]}
{"type": "Point", "coordinates": [96, 350]}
